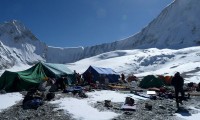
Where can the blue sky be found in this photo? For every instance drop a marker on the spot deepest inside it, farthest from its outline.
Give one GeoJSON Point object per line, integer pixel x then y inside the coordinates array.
{"type": "Point", "coordinates": [72, 23]}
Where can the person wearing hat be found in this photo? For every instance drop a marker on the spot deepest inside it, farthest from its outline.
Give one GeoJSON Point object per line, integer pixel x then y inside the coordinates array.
{"type": "Point", "coordinates": [178, 82]}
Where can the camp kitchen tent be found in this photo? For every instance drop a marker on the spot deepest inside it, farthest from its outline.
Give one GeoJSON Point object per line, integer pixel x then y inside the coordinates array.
{"type": "Point", "coordinates": [24, 80]}
{"type": "Point", "coordinates": [98, 72]}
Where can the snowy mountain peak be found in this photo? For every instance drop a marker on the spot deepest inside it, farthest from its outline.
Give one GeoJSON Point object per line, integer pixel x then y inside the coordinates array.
{"type": "Point", "coordinates": [16, 30]}
{"type": "Point", "coordinates": [15, 24]}
{"type": "Point", "coordinates": [18, 45]}
{"type": "Point", "coordinates": [177, 26]}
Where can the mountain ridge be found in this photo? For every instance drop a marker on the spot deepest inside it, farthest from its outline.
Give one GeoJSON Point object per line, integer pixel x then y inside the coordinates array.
{"type": "Point", "coordinates": [176, 27]}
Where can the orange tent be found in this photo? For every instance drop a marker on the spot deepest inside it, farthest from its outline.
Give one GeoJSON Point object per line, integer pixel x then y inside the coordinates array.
{"type": "Point", "coordinates": [167, 79]}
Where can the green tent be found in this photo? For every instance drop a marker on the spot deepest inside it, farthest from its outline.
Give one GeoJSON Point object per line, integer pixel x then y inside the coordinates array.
{"type": "Point", "coordinates": [59, 70]}
{"type": "Point", "coordinates": [32, 77]}
{"type": "Point", "coordinates": [151, 81]}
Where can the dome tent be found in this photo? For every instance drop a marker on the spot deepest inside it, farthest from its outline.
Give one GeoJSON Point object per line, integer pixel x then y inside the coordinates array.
{"type": "Point", "coordinates": [151, 81]}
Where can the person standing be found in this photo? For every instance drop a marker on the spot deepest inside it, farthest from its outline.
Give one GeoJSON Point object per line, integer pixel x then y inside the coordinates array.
{"type": "Point", "coordinates": [75, 76]}
{"type": "Point", "coordinates": [89, 77]}
{"type": "Point", "coordinates": [60, 82]}
{"type": "Point", "coordinates": [123, 78]}
{"type": "Point", "coordinates": [178, 82]}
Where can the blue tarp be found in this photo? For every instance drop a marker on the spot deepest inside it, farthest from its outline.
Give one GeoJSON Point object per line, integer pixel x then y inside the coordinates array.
{"type": "Point", "coordinates": [98, 72]}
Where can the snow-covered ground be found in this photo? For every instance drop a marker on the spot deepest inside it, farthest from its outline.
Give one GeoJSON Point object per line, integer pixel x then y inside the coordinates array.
{"type": "Point", "coordinates": [79, 110]}
{"type": "Point", "coordinates": [77, 107]}
{"type": "Point", "coordinates": [9, 99]}
{"type": "Point", "coordinates": [189, 117]}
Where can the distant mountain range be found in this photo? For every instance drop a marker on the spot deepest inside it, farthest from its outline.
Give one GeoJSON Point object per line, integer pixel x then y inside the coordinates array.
{"type": "Point", "coordinates": [176, 27]}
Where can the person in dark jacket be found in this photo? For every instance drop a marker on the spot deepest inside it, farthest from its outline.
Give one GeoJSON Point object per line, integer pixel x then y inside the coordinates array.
{"type": "Point", "coordinates": [60, 83]}
{"type": "Point", "coordinates": [123, 78]}
{"type": "Point", "coordinates": [178, 82]}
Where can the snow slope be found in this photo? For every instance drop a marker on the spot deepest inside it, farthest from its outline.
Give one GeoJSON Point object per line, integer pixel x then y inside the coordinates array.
{"type": "Point", "coordinates": [141, 62]}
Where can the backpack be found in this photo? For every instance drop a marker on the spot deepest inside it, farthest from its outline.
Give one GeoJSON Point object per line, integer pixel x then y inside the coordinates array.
{"type": "Point", "coordinates": [50, 96]}
{"type": "Point", "coordinates": [130, 101]}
